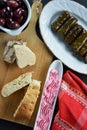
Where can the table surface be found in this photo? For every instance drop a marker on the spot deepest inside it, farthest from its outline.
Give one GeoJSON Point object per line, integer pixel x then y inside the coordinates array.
{"type": "Point", "coordinates": [6, 125]}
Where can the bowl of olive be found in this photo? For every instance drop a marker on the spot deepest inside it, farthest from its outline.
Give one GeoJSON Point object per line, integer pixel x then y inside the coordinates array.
{"type": "Point", "coordinates": [14, 16]}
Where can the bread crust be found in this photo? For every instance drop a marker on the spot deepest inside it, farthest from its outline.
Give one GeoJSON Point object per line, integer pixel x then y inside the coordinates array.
{"type": "Point", "coordinates": [27, 104]}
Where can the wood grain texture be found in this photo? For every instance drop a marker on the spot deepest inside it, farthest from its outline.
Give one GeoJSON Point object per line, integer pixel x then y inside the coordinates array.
{"type": "Point", "coordinates": [10, 71]}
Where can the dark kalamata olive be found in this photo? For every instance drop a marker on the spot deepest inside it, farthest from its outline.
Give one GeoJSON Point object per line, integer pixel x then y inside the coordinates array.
{"type": "Point", "coordinates": [24, 12]}
{"type": "Point", "coordinates": [12, 3]}
{"type": "Point", "coordinates": [8, 20]}
{"type": "Point", "coordinates": [19, 2]}
{"type": "Point", "coordinates": [3, 11]}
{"type": "Point", "coordinates": [18, 12]}
{"type": "Point", "coordinates": [10, 12]}
{"type": "Point", "coordinates": [2, 21]}
{"type": "Point", "coordinates": [23, 21]}
{"type": "Point", "coordinates": [14, 25]}
{"type": "Point", "coordinates": [19, 20]}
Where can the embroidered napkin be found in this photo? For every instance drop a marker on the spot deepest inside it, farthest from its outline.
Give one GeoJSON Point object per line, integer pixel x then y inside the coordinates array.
{"type": "Point", "coordinates": [72, 101]}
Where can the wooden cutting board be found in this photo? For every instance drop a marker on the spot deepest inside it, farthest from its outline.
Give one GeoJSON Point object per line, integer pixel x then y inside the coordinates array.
{"type": "Point", "coordinates": [10, 71]}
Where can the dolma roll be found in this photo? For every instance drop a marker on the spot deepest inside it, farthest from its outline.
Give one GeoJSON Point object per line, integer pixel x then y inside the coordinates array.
{"type": "Point", "coordinates": [67, 25]}
{"type": "Point", "coordinates": [73, 33]}
{"type": "Point", "coordinates": [79, 42]}
{"type": "Point", "coordinates": [60, 20]}
{"type": "Point", "coordinates": [83, 49]}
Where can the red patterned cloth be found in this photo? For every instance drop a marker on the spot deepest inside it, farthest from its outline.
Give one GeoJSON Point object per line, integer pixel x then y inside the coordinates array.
{"type": "Point", "coordinates": [72, 101]}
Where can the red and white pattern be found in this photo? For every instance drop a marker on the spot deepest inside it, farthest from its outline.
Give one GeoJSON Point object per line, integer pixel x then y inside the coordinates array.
{"type": "Point", "coordinates": [72, 113]}
{"type": "Point", "coordinates": [47, 100]}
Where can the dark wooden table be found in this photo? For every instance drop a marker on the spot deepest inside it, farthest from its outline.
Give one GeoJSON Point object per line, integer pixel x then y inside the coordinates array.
{"type": "Point", "coordinates": [6, 125]}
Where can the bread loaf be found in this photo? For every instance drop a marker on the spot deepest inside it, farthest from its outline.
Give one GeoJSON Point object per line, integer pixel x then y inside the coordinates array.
{"type": "Point", "coordinates": [27, 104]}
{"type": "Point", "coordinates": [18, 83]}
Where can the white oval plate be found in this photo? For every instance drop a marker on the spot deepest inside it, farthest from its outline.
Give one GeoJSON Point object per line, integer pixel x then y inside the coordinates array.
{"type": "Point", "coordinates": [57, 46]}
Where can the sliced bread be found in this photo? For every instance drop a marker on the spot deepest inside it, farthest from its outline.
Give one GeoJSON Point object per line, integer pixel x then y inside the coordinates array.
{"type": "Point", "coordinates": [27, 104]}
{"type": "Point", "coordinates": [16, 84]}
{"type": "Point", "coordinates": [24, 56]}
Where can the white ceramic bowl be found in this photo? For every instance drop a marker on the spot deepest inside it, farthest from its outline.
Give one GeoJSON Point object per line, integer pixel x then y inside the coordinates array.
{"type": "Point", "coordinates": [14, 32]}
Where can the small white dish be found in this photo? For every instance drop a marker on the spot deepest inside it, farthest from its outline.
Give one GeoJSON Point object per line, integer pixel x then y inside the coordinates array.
{"type": "Point", "coordinates": [14, 32]}
{"type": "Point", "coordinates": [57, 64]}
{"type": "Point", "coordinates": [53, 42]}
